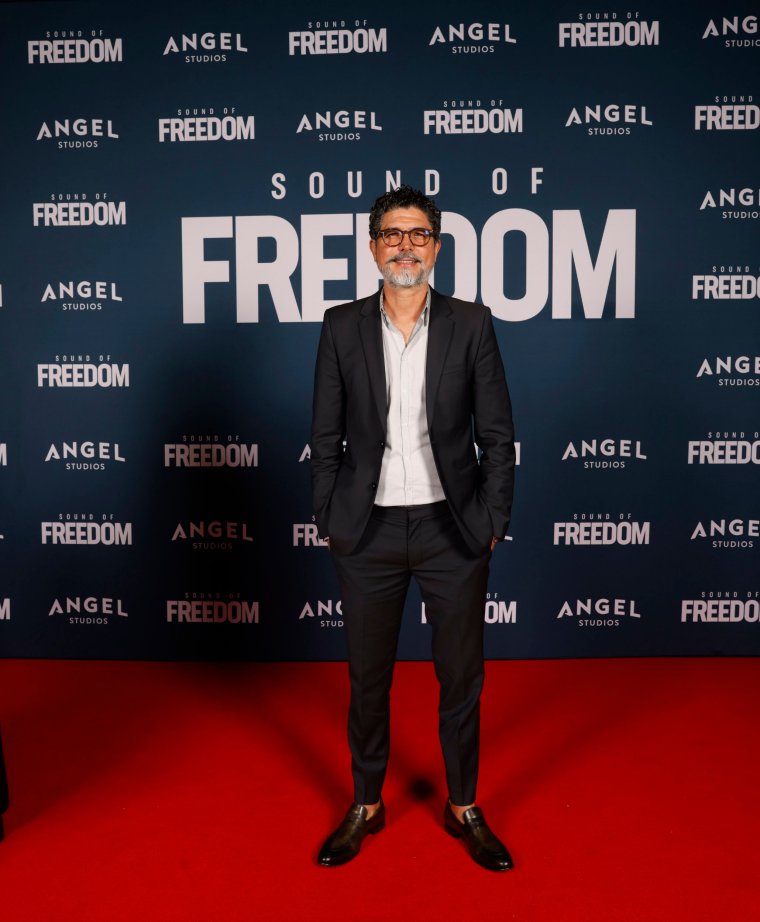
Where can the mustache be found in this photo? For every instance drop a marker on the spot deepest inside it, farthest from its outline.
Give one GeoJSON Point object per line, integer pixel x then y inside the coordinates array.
{"type": "Point", "coordinates": [413, 256]}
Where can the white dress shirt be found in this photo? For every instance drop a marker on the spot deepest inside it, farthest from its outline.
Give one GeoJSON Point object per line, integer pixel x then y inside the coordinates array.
{"type": "Point", "coordinates": [408, 476]}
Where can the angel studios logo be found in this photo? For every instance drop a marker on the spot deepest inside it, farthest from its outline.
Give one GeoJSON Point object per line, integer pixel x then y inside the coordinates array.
{"type": "Point", "coordinates": [733, 31]}
{"type": "Point", "coordinates": [339, 125]}
{"type": "Point", "coordinates": [604, 453]}
{"type": "Point", "coordinates": [727, 534]}
{"type": "Point", "coordinates": [205, 47]}
{"type": "Point", "coordinates": [612, 119]}
{"type": "Point", "coordinates": [326, 613]}
{"type": "Point", "coordinates": [77, 133]}
{"type": "Point", "coordinates": [732, 204]}
{"type": "Point", "coordinates": [730, 370]}
{"type": "Point", "coordinates": [81, 296]}
{"type": "Point", "coordinates": [472, 37]}
{"type": "Point", "coordinates": [84, 455]}
{"type": "Point", "coordinates": [213, 535]}
{"type": "Point", "coordinates": [89, 611]}
{"type": "Point", "coordinates": [599, 612]}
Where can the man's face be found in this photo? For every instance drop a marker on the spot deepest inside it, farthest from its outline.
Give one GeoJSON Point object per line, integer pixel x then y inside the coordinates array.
{"type": "Point", "coordinates": [406, 265]}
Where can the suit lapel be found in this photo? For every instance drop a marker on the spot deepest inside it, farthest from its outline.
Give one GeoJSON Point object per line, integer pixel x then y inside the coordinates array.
{"type": "Point", "coordinates": [440, 331]}
{"type": "Point", "coordinates": [371, 335]}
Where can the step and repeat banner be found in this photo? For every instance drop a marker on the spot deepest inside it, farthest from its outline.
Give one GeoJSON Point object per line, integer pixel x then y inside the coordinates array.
{"type": "Point", "coordinates": [185, 191]}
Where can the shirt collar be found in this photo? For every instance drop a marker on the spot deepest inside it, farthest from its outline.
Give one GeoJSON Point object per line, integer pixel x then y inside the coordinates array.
{"type": "Point", "coordinates": [423, 316]}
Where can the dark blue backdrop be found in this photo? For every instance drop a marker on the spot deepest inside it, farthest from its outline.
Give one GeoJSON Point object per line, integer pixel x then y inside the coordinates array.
{"type": "Point", "coordinates": [592, 218]}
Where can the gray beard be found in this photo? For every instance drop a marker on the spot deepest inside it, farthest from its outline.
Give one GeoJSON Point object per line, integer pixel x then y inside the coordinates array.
{"type": "Point", "coordinates": [407, 278]}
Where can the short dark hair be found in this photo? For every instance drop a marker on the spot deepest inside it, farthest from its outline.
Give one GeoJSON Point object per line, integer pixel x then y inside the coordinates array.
{"type": "Point", "coordinates": [404, 197]}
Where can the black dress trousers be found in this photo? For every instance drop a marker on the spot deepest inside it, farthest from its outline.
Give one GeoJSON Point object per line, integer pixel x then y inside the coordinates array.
{"type": "Point", "coordinates": [424, 542]}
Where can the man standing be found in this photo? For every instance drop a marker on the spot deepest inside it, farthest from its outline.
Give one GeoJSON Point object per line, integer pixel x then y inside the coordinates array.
{"type": "Point", "coordinates": [404, 380]}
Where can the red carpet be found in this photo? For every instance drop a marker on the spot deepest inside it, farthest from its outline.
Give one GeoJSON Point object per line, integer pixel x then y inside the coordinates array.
{"type": "Point", "coordinates": [626, 790]}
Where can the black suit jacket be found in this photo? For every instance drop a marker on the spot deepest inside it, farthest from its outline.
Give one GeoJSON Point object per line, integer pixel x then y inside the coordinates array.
{"type": "Point", "coordinates": [466, 396]}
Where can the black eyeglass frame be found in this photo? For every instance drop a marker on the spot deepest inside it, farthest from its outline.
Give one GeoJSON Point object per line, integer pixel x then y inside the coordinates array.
{"type": "Point", "coordinates": [425, 231]}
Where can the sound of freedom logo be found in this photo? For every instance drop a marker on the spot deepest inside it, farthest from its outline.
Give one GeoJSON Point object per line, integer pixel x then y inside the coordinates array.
{"type": "Point", "coordinates": [725, 448]}
{"type": "Point", "coordinates": [726, 283]}
{"type": "Point", "coordinates": [610, 34]}
{"type": "Point", "coordinates": [306, 534]}
{"type": "Point", "coordinates": [722, 608]}
{"type": "Point", "coordinates": [78, 213]}
{"type": "Point", "coordinates": [212, 452]}
{"type": "Point", "coordinates": [472, 117]}
{"type": "Point", "coordinates": [337, 37]}
{"type": "Point", "coordinates": [70, 529]}
{"type": "Point", "coordinates": [205, 125]}
{"type": "Point", "coordinates": [66, 372]}
{"type": "Point", "coordinates": [727, 113]}
{"type": "Point", "coordinates": [496, 610]}
{"type": "Point", "coordinates": [605, 280]}
{"type": "Point", "coordinates": [70, 47]}
{"type": "Point", "coordinates": [599, 529]}
{"type": "Point", "coordinates": [191, 610]}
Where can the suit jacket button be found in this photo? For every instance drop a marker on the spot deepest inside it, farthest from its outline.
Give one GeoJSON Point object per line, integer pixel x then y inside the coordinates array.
{"type": "Point", "coordinates": [381, 443]}
{"type": "Point", "coordinates": [373, 486]}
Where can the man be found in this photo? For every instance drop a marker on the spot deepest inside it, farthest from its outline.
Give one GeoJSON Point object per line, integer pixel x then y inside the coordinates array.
{"type": "Point", "coordinates": [404, 379]}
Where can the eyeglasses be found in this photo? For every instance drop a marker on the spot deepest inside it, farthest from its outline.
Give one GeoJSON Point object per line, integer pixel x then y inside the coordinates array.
{"type": "Point", "coordinates": [418, 236]}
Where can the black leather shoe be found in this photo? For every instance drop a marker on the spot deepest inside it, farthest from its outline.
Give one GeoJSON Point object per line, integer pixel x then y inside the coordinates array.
{"type": "Point", "coordinates": [345, 842]}
{"type": "Point", "coordinates": [481, 843]}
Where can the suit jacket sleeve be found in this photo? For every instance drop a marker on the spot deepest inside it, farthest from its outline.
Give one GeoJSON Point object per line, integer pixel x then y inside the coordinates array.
{"type": "Point", "coordinates": [328, 426]}
{"type": "Point", "coordinates": [494, 432]}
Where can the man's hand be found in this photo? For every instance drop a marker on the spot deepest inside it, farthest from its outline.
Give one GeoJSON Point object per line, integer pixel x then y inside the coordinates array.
{"type": "Point", "coordinates": [494, 542]}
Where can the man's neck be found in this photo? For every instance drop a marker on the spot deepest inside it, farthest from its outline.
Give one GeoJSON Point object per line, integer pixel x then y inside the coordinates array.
{"type": "Point", "coordinates": [404, 305]}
